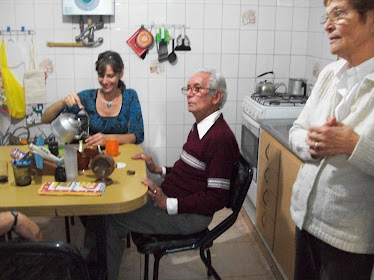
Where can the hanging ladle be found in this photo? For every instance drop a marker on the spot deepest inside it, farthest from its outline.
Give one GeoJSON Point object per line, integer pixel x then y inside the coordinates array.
{"type": "Point", "coordinates": [172, 57]}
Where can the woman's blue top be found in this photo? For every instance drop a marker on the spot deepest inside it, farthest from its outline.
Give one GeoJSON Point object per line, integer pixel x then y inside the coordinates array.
{"type": "Point", "coordinates": [129, 120]}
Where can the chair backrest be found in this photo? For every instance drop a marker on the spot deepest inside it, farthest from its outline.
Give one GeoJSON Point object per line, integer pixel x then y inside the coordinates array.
{"type": "Point", "coordinates": [240, 183]}
{"type": "Point", "coordinates": [26, 260]}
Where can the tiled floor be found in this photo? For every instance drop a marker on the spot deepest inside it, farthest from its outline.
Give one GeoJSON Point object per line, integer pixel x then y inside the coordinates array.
{"type": "Point", "coordinates": [238, 254]}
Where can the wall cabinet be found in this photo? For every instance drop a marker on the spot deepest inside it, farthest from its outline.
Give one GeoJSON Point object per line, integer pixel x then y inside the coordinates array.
{"type": "Point", "coordinates": [277, 171]}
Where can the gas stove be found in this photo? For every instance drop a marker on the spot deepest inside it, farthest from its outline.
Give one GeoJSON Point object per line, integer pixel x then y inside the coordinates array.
{"type": "Point", "coordinates": [273, 107]}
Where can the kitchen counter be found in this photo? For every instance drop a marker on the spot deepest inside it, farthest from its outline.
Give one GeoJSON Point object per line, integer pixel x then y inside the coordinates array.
{"type": "Point", "coordinates": [278, 128]}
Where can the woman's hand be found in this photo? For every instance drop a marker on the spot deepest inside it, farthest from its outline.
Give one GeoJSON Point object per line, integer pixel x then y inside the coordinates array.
{"type": "Point", "coordinates": [149, 161]}
{"type": "Point", "coordinates": [73, 99]}
{"type": "Point", "coordinates": [96, 140]}
{"type": "Point", "coordinates": [156, 194]}
{"type": "Point", "coordinates": [331, 139]}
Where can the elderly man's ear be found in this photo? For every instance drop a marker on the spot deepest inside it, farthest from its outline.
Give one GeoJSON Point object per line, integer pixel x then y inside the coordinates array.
{"type": "Point", "coordinates": [217, 97]}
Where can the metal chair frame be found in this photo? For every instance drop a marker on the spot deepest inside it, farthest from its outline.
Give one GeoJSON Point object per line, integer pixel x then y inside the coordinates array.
{"type": "Point", "coordinates": [160, 245]}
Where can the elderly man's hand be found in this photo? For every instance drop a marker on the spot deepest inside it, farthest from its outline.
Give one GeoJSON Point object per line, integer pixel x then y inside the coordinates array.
{"type": "Point", "coordinates": [149, 161]}
{"type": "Point", "coordinates": [156, 194]}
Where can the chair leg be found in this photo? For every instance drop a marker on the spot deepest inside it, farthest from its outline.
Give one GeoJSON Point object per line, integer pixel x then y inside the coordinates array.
{"type": "Point", "coordinates": [208, 263]}
{"type": "Point", "coordinates": [128, 240]}
{"type": "Point", "coordinates": [146, 266]}
{"type": "Point", "coordinates": [156, 265]}
{"type": "Point", "coordinates": [67, 229]}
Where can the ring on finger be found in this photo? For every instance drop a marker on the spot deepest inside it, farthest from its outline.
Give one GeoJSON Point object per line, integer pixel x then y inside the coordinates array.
{"type": "Point", "coordinates": [316, 146]}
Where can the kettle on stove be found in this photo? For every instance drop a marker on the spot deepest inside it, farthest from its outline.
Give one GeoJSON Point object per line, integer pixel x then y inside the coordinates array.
{"type": "Point", "coordinates": [266, 88]}
{"type": "Point", "coordinates": [69, 126]}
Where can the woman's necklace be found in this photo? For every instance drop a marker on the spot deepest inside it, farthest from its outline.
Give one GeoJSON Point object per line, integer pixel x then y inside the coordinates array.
{"type": "Point", "coordinates": [108, 103]}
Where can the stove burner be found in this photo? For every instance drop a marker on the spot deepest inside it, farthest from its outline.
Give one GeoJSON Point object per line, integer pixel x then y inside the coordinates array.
{"type": "Point", "coordinates": [280, 99]}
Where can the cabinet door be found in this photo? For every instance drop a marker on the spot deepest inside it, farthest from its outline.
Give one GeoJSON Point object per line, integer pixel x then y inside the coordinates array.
{"type": "Point", "coordinates": [265, 224]}
{"type": "Point", "coordinates": [267, 185]}
{"type": "Point", "coordinates": [284, 232]}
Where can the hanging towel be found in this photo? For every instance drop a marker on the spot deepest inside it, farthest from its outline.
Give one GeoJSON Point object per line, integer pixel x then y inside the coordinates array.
{"type": "Point", "coordinates": [34, 81]}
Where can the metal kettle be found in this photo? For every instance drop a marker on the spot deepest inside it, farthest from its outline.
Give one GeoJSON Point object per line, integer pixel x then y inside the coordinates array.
{"type": "Point", "coordinates": [69, 126]}
{"type": "Point", "coordinates": [267, 88]}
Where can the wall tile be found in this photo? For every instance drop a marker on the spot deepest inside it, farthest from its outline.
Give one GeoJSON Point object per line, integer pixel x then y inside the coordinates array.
{"type": "Point", "coordinates": [282, 66]}
{"type": "Point", "coordinates": [230, 41]}
{"type": "Point", "coordinates": [173, 154]}
{"type": "Point", "coordinates": [212, 61]}
{"type": "Point", "coordinates": [212, 16]}
{"type": "Point", "coordinates": [141, 87]}
{"type": "Point", "coordinates": [229, 66]}
{"type": "Point", "coordinates": [175, 137]}
{"type": "Point", "coordinates": [247, 66]}
{"type": "Point", "coordinates": [176, 13]}
{"type": "Point", "coordinates": [213, 41]}
{"type": "Point", "coordinates": [157, 136]}
{"type": "Point", "coordinates": [229, 112]}
{"type": "Point", "coordinates": [65, 67]}
{"type": "Point", "coordinates": [266, 17]}
{"type": "Point", "coordinates": [283, 18]}
{"type": "Point", "coordinates": [265, 63]}
{"type": "Point", "coordinates": [299, 43]}
{"type": "Point", "coordinates": [157, 89]}
{"type": "Point", "coordinates": [300, 19]}
{"type": "Point", "coordinates": [282, 42]}
{"type": "Point", "coordinates": [173, 89]}
{"type": "Point", "coordinates": [195, 15]}
{"type": "Point", "coordinates": [175, 113]}
{"type": "Point", "coordinates": [232, 88]}
{"type": "Point", "coordinates": [297, 66]}
{"type": "Point", "coordinates": [265, 43]}
{"type": "Point", "coordinates": [248, 41]}
{"type": "Point", "coordinates": [230, 16]}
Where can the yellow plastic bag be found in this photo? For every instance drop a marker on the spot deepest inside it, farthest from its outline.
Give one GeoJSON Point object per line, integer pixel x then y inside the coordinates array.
{"type": "Point", "coordinates": [14, 92]}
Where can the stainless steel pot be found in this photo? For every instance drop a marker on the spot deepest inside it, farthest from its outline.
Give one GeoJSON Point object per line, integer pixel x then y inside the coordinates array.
{"type": "Point", "coordinates": [68, 126]}
{"type": "Point", "coordinates": [297, 86]}
{"type": "Point", "coordinates": [266, 88]}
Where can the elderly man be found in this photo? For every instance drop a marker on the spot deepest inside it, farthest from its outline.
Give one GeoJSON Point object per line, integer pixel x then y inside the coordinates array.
{"type": "Point", "coordinates": [198, 183]}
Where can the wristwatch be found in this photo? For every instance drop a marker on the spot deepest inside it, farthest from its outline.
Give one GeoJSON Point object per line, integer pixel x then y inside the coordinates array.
{"type": "Point", "coordinates": [15, 215]}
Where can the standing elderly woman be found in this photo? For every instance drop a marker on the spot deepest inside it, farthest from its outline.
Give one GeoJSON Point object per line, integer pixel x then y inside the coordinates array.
{"type": "Point", "coordinates": [114, 110]}
{"type": "Point", "coordinates": [333, 197]}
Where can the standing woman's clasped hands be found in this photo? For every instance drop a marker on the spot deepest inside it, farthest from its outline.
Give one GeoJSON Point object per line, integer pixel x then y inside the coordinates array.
{"type": "Point", "coordinates": [331, 139]}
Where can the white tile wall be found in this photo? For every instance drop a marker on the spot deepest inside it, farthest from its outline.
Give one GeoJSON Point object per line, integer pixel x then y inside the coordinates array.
{"type": "Point", "coordinates": [286, 37]}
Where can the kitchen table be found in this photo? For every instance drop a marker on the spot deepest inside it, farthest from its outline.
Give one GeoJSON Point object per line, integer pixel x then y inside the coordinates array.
{"type": "Point", "coordinates": [127, 193]}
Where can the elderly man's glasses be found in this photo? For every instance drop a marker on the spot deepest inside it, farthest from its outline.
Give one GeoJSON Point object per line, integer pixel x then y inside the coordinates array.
{"type": "Point", "coordinates": [195, 90]}
{"type": "Point", "coordinates": [335, 15]}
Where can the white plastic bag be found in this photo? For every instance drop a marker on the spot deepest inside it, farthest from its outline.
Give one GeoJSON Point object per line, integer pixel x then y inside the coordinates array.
{"type": "Point", "coordinates": [34, 81]}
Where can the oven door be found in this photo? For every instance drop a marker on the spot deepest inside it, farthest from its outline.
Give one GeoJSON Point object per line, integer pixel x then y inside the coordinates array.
{"type": "Point", "coordinates": [250, 141]}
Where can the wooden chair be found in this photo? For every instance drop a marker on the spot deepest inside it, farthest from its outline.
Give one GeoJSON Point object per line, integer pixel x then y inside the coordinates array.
{"type": "Point", "coordinates": [160, 245]}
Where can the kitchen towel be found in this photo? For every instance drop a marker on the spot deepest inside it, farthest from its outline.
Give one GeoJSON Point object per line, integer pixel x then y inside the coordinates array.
{"type": "Point", "coordinates": [34, 81]}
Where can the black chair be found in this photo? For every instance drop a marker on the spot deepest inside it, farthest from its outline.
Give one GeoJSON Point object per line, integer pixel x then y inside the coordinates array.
{"type": "Point", "coordinates": [160, 245]}
{"type": "Point", "coordinates": [27, 260]}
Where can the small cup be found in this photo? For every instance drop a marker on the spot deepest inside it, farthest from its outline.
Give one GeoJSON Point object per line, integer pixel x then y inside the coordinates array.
{"type": "Point", "coordinates": [22, 174]}
{"type": "Point", "coordinates": [111, 147]}
{"type": "Point", "coordinates": [3, 171]}
{"type": "Point", "coordinates": [53, 148]}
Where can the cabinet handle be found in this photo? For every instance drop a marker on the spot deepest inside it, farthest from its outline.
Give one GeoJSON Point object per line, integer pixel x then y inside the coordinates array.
{"type": "Point", "coordinates": [263, 197]}
{"type": "Point", "coordinates": [262, 220]}
{"type": "Point", "coordinates": [265, 173]}
{"type": "Point", "coordinates": [266, 151]}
